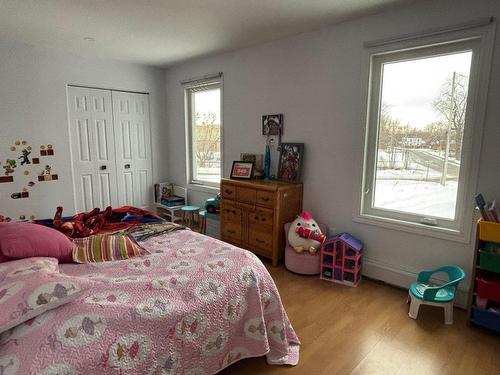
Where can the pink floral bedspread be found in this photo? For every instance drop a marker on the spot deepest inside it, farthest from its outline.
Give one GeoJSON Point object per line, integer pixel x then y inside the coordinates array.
{"type": "Point", "coordinates": [195, 306]}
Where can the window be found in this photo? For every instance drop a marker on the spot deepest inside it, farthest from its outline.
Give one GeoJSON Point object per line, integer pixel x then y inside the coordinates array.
{"type": "Point", "coordinates": [204, 132]}
{"type": "Point", "coordinates": [421, 125]}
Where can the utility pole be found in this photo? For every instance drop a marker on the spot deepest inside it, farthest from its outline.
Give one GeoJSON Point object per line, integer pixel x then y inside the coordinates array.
{"type": "Point", "coordinates": [448, 132]}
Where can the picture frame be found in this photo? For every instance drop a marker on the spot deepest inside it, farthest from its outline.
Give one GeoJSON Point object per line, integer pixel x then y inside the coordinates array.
{"type": "Point", "coordinates": [257, 159]}
{"type": "Point", "coordinates": [290, 162]}
{"type": "Point", "coordinates": [272, 124]}
{"type": "Point", "coordinates": [242, 169]}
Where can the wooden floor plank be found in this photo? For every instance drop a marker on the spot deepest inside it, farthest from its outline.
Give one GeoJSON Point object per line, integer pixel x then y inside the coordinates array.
{"type": "Point", "coordinates": [366, 330]}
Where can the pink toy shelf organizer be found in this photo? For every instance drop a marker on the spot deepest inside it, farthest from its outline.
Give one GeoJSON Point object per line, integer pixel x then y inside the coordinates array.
{"type": "Point", "coordinates": [341, 259]}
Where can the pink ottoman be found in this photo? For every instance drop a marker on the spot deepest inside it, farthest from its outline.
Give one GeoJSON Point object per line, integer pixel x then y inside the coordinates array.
{"type": "Point", "coordinates": [304, 263]}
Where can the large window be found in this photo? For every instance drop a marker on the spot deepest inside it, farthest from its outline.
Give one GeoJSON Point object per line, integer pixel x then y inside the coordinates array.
{"type": "Point", "coordinates": [204, 122]}
{"type": "Point", "coordinates": [420, 130]}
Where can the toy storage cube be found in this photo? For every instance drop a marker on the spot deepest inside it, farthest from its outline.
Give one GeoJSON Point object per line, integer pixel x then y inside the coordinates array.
{"type": "Point", "coordinates": [489, 261]}
{"type": "Point", "coordinates": [304, 263]}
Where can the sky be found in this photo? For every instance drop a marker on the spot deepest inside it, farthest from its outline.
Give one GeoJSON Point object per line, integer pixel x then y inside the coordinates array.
{"type": "Point", "coordinates": [207, 101]}
{"type": "Point", "coordinates": [410, 87]}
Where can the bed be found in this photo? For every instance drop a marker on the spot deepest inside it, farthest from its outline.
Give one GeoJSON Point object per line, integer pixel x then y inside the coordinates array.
{"type": "Point", "coordinates": [195, 305]}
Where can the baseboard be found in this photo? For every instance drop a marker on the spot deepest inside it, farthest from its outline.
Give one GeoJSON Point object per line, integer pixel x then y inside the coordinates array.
{"type": "Point", "coordinates": [402, 278]}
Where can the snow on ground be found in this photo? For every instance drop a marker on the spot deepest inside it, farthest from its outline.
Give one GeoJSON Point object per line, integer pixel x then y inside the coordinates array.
{"type": "Point", "coordinates": [408, 174]}
{"type": "Point", "coordinates": [418, 197]}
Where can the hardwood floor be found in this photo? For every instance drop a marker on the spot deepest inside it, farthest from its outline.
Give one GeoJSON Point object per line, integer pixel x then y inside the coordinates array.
{"type": "Point", "coordinates": [366, 330]}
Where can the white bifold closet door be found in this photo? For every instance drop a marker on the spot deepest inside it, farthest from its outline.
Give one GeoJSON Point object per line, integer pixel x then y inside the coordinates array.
{"type": "Point", "coordinates": [92, 148]}
{"type": "Point", "coordinates": [110, 140]}
{"type": "Point", "coordinates": [133, 151]}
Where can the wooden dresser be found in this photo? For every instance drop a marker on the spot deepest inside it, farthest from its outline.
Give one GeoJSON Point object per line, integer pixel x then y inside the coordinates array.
{"type": "Point", "coordinates": [253, 213]}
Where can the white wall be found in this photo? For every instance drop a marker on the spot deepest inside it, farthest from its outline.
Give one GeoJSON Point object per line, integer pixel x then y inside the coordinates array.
{"type": "Point", "coordinates": [33, 108]}
{"type": "Point", "coordinates": [315, 80]}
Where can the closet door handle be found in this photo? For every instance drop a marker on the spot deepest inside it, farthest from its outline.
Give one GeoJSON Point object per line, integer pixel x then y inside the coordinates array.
{"type": "Point", "coordinates": [102, 167]}
{"type": "Point", "coordinates": [127, 166]}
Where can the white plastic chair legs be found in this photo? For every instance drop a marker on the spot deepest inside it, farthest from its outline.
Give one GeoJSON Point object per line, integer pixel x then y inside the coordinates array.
{"type": "Point", "coordinates": [415, 306]}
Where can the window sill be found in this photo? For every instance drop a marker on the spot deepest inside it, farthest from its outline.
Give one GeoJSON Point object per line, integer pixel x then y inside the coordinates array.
{"type": "Point", "coordinates": [204, 188]}
{"type": "Point", "coordinates": [415, 228]}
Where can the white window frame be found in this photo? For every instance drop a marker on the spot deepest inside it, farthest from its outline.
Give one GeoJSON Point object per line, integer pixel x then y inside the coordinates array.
{"type": "Point", "coordinates": [189, 89]}
{"type": "Point", "coordinates": [479, 39]}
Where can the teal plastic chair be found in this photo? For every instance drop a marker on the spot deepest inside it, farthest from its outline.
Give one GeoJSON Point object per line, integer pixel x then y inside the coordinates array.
{"type": "Point", "coordinates": [422, 292]}
{"type": "Point", "coordinates": [188, 213]}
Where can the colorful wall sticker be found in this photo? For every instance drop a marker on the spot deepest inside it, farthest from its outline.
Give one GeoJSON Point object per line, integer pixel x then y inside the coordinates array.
{"type": "Point", "coordinates": [47, 174]}
{"type": "Point", "coordinates": [46, 150]}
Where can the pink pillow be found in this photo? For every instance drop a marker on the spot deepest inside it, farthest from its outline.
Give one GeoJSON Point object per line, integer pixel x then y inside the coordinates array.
{"type": "Point", "coordinates": [3, 258]}
{"type": "Point", "coordinates": [24, 240]}
{"type": "Point", "coordinates": [29, 287]}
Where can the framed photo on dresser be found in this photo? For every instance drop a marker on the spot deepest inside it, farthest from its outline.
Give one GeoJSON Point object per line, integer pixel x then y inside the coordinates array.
{"type": "Point", "coordinates": [242, 169]}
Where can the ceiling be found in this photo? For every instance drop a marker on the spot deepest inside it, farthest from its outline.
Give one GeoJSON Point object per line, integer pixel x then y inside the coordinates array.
{"type": "Point", "coordinates": [165, 32]}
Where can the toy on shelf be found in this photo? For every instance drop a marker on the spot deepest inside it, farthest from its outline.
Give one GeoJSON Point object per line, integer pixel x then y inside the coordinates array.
{"type": "Point", "coordinates": [484, 296]}
{"type": "Point", "coordinates": [305, 234]}
{"type": "Point", "coordinates": [169, 200]}
{"type": "Point", "coordinates": [341, 259]}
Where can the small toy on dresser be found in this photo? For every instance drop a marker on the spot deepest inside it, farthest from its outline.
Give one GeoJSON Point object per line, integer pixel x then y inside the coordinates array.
{"type": "Point", "coordinates": [341, 259]}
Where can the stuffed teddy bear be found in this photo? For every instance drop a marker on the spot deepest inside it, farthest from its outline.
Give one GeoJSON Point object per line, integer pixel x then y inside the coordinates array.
{"type": "Point", "coordinates": [305, 234]}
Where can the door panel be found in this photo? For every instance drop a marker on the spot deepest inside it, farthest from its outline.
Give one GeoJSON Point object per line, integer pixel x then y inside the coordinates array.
{"type": "Point", "coordinates": [126, 141]}
{"type": "Point", "coordinates": [105, 190]}
{"type": "Point", "coordinates": [102, 140]}
{"type": "Point", "coordinates": [133, 148]}
{"type": "Point", "coordinates": [87, 191]}
{"type": "Point", "coordinates": [92, 148]}
{"type": "Point", "coordinates": [84, 140]}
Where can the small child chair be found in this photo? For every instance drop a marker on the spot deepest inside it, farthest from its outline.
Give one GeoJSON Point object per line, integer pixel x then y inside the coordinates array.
{"type": "Point", "coordinates": [422, 293]}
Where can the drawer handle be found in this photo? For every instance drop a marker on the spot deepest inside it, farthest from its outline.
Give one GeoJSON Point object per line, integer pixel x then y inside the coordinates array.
{"type": "Point", "coordinates": [263, 219]}
{"type": "Point", "coordinates": [265, 199]}
{"type": "Point", "coordinates": [256, 218]}
{"type": "Point", "coordinates": [234, 212]}
{"type": "Point", "coordinates": [231, 231]}
{"type": "Point", "coordinates": [259, 240]}
{"type": "Point", "coordinates": [229, 192]}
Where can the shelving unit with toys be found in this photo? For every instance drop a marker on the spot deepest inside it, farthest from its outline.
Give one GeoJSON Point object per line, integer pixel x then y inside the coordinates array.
{"type": "Point", "coordinates": [341, 259]}
{"type": "Point", "coordinates": [484, 299]}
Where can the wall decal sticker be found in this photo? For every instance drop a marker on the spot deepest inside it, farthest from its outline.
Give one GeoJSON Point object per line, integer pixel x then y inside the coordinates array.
{"type": "Point", "coordinates": [6, 179]}
{"type": "Point", "coordinates": [22, 194]}
{"type": "Point", "coordinates": [9, 167]}
{"type": "Point", "coordinates": [25, 152]}
{"type": "Point", "coordinates": [22, 167]}
{"type": "Point", "coordinates": [46, 150]}
{"type": "Point", "coordinates": [47, 175]}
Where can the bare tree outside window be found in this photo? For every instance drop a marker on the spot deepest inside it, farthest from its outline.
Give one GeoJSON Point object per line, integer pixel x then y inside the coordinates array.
{"type": "Point", "coordinates": [206, 135]}
{"type": "Point", "coordinates": [451, 104]}
{"type": "Point", "coordinates": [420, 131]}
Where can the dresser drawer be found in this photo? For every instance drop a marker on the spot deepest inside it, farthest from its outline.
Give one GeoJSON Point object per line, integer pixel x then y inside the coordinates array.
{"type": "Point", "coordinates": [230, 213]}
{"type": "Point", "coordinates": [228, 191]}
{"type": "Point", "coordinates": [246, 195]}
{"type": "Point", "coordinates": [265, 198]}
{"type": "Point", "coordinates": [231, 231]}
{"type": "Point", "coordinates": [260, 241]}
{"type": "Point", "coordinates": [260, 217]}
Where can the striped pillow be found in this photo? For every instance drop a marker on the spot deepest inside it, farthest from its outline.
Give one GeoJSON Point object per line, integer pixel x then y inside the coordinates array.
{"type": "Point", "coordinates": [106, 247]}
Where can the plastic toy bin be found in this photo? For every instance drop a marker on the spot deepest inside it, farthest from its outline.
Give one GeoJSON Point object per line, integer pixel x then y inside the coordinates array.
{"type": "Point", "coordinates": [486, 318]}
{"type": "Point", "coordinates": [489, 231]}
{"type": "Point", "coordinates": [489, 261]}
{"type": "Point", "coordinates": [489, 289]}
